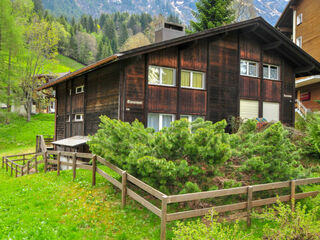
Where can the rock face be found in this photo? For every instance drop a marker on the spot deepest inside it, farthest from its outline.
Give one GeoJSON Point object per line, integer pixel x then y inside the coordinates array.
{"type": "Point", "coordinates": [268, 9]}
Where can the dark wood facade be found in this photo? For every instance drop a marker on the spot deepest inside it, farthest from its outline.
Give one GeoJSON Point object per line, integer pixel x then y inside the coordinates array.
{"type": "Point", "coordinates": [120, 89]}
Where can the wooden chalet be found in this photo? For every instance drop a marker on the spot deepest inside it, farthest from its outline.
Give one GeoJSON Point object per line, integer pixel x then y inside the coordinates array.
{"type": "Point", "coordinates": [245, 69]}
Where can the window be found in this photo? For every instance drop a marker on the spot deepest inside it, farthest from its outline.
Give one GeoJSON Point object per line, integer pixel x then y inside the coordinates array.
{"type": "Point", "coordinates": [78, 118]}
{"type": "Point", "coordinates": [162, 76]}
{"type": "Point", "coordinates": [68, 118]}
{"type": "Point", "coordinates": [299, 19]}
{"type": "Point", "coordinates": [190, 79]}
{"type": "Point", "coordinates": [271, 111]}
{"type": "Point", "coordinates": [191, 118]}
{"type": "Point", "coordinates": [270, 72]}
{"type": "Point", "coordinates": [299, 41]}
{"type": "Point", "coordinates": [249, 109]}
{"type": "Point", "coordinates": [79, 89]}
{"type": "Point", "coordinates": [159, 121]}
{"type": "Point", "coordinates": [248, 68]}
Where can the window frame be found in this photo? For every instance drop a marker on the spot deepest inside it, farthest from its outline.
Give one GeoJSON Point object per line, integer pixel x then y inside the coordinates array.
{"type": "Point", "coordinates": [160, 115]}
{"type": "Point", "coordinates": [160, 75]}
{"type": "Point", "coordinates": [299, 19]}
{"type": "Point", "coordinates": [248, 64]}
{"type": "Point", "coordinates": [81, 87]}
{"type": "Point", "coordinates": [191, 79]}
{"type": "Point", "coordinates": [68, 118]}
{"type": "Point", "coordinates": [78, 120]}
{"type": "Point", "coordinates": [300, 41]}
{"type": "Point", "coordinates": [269, 72]}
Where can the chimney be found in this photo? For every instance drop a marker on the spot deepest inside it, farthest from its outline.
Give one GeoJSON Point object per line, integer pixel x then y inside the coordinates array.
{"type": "Point", "coordinates": [166, 31]}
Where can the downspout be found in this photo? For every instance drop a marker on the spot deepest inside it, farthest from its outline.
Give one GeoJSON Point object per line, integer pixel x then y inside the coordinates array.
{"type": "Point", "coordinates": [294, 24]}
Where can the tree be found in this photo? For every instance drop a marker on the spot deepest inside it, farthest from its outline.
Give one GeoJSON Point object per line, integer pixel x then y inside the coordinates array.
{"type": "Point", "coordinates": [123, 34]}
{"type": "Point", "coordinates": [13, 17]}
{"type": "Point", "coordinates": [211, 14]}
{"type": "Point", "coordinates": [38, 6]}
{"type": "Point", "coordinates": [104, 49]}
{"type": "Point", "coordinates": [135, 41]}
{"type": "Point", "coordinates": [41, 45]}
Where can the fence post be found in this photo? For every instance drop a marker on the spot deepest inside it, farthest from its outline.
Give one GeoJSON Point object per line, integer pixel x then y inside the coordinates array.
{"type": "Point", "coordinates": [124, 189]}
{"type": "Point", "coordinates": [11, 169]}
{"type": "Point", "coordinates": [37, 143]}
{"type": "Point", "coordinates": [6, 164]}
{"type": "Point", "coordinates": [45, 158]}
{"type": "Point", "coordinates": [16, 171]}
{"type": "Point", "coordinates": [164, 217]}
{"type": "Point", "coordinates": [24, 157]}
{"type": "Point", "coordinates": [74, 166]}
{"type": "Point", "coordinates": [58, 163]}
{"type": "Point", "coordinates": [249, 205]}
{"type": "Point", "coordinates": [36, 163]}
{"type": "Point", "coordinates": [94, 169]}
{"type": "Point", "coordinates": [2, 162]}
{"type": "Point", "coordinates": [21, 174]}
{"type": "Point", "coordinates": [28, 168]}
{"type": "Point", "coordinates": [292, 195]}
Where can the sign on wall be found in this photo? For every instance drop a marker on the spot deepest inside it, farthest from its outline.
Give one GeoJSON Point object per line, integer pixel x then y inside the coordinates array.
{"type": "Point", "coordinates": [305, 96]}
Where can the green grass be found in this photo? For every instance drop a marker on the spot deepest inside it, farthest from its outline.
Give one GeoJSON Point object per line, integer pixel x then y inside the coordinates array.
{"type": "Point", "coordinates": [62, 64]}
{"type": "Point", "coordinates": [45, 206]}
{"type": "Point", "coordinates": [20, 135]}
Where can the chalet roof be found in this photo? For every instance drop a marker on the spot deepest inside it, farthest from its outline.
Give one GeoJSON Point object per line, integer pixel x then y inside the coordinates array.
{"type": "Point", "coordinates": [285, 19]}
{"type": "Point", "coordinates": [270, 38]}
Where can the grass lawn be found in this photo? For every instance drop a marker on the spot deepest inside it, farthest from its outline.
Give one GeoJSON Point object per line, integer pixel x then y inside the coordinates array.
{"type": "Point", "coordinates": [44, 206]}
{"type": "Point", "coordinates": [20, 135]}
{"type": "Point", "coordinates": [62, 64]}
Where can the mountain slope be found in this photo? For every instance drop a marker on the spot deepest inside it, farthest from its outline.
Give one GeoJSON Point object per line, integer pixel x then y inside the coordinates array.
{"type": "Point", "coordinates": [268, 9]}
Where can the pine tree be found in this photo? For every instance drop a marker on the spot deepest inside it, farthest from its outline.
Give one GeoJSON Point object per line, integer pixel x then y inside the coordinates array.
{"type": "Point", "coordinates": [211, 14]}
{"type": "Point", "coordinates": [123, 34]}
{"type": "Point", "coordinates": [90, 25]}
{"type": "Point", "coordinates": [109, 29]}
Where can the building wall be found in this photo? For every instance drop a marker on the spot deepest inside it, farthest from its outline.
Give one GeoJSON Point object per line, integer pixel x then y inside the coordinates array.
{"type": "Point", "coordinates": [219, 58]}
{"type": "Point", "coordinates": [309, 28]}
{"type": "Point", "coordinates": [314, 91]}
{"type": "Point", "coordinates": [100, 97]}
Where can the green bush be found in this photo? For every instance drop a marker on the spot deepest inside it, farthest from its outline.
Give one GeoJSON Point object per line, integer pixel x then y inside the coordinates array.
{"type": "Point", "coordinates": [289, 225]}
{"type": "Point", "coordinates": [270, 155]}
{"type": "Point", "coordinates": [311, 144]}
{"type": "Point", "coordinates": [167, 159]}
{"type": "Point", "coordinates": [276, 223]}
{"type": "Point", "coordinates": [215, 230]}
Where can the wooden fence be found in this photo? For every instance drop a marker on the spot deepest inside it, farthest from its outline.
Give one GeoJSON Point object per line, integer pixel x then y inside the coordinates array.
{"type": "Point", "coordinates": [130, 186]}
{"type": "Point", "coordinates": [22, 164]}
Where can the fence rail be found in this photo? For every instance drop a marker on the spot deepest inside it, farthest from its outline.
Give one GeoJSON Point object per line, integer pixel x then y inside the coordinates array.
{"type": "Point", "coordinates": [54, 158]}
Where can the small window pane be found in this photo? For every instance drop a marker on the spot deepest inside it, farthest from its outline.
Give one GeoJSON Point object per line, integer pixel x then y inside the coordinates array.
{"type": "Point", "coordinates": [265, 71]}
{"type": "Point", "coordinates": [185, 79]}
{"type": "Point", "coordinates": [243, 67]}
{"type": "Point", "coordinates": [197, 80]}
{"type": "Point", "coordinates": [166, 120]}
{"type": "Point", "coordinates": [154, 75]}
{"type": "Point", "coordinates": [252, 69]}
{"type": "Point", "coordinates": [167, 76]}
{"type": "Point", "coordinates": [274, 73]}
{"type": "Point", "coordinates": [153, 121]}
